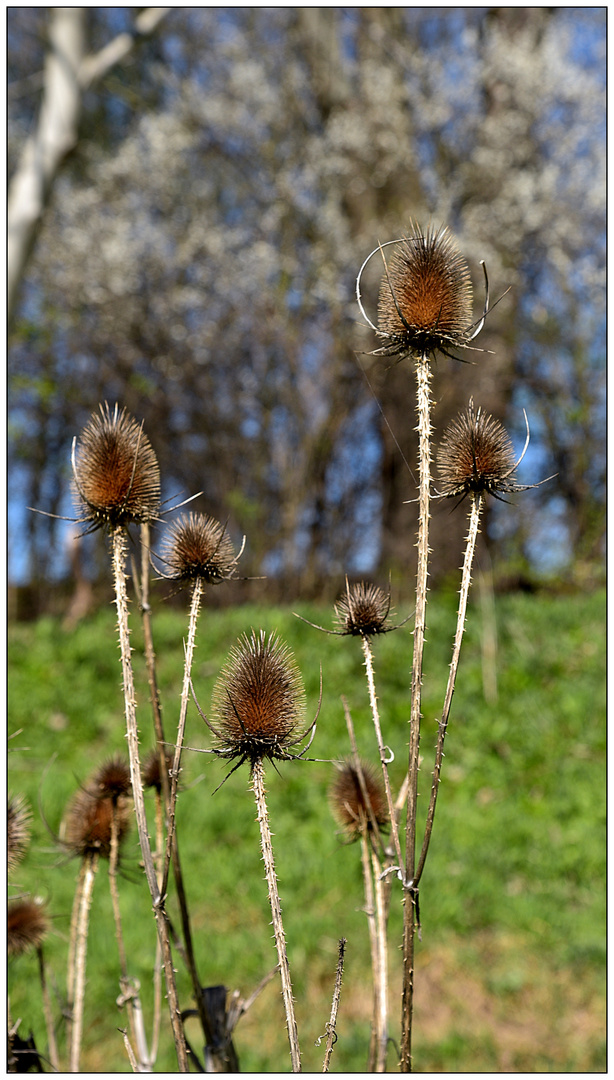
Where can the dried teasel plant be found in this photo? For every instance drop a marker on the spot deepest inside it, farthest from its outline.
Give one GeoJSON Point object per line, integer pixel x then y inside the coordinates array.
{"type": "Point", "coordinates": [358, 799]}
{"type": "Point", "coordinates": [258, 714]}
{"type": "Point", "coordinates": [18, 825]}
{"type": "Point", "coordinates": [28, 925]}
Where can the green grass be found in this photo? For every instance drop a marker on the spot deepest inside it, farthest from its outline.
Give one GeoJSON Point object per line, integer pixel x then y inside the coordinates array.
{"type": "Point", "coordinates": [510, 971]}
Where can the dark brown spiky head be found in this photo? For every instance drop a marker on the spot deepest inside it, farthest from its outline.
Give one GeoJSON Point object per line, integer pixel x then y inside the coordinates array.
{"type": "Point", "coordinates": [197, 546]}
{"type": "Point", "coordinates": [28, 924]}
{"type": "Point", "coordinates": [259, 700]}
{"type": "Point", "coordinates": [475, 455]}
{"type": "Point", "coordinates": [363, 609]}
{"type": "Point", "coordinates": [425, 299]}
{"type": "Point", "coordinates": [151, 774]}
{"type": "Point", "coordinates": [347, 798]}
{"type": "Point", "coordinates": [116, 477]}
{"type": "Point", "coordinates": [89, 820]}
{"type": "Point", "coordinates": [18, 822]}
{"type": "Point", "coordinates": [112, 779]}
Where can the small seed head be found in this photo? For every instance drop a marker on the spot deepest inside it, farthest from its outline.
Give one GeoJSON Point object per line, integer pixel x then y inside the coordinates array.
{"type": "Point", "coordinates": [425, 300]}
{"type": "Point", "coordinates": [116, 475]}
{"type": "Point", "coordinates": [151, 769]}
{"type": "Point", "coordinates": [27, 925]}
{"type": "Point", "coordinates": [197, 546]}
{"type": "Point", "coordinates": [475, 455]}
{"type": "Point", "coordinates": [348, 802]}
{"type": "Point", "coordinates": [88, 823]}
{"type": "Point", "coordinates": [259, 700]}
{"type": "Point", "coordinates": [363, 609]}
{"type": "Point", "coordinates": [19, 819]}
{"type": "Point", "coordinates": [112, 779]}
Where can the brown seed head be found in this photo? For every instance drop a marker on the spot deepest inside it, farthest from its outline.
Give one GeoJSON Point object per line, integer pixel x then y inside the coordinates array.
{"type": "Point", "coordinates": [348, 802]}
{"type": "Point", "coordinates": [198, 546]}
{"type": "Point", "coordinates": [259, 700]}
{"type": "Point", "coordinates": [151, 769]}
{"type": "Point", "coordinates": [475, 455]}
{"type": "Point", "coordinates": [27, 925]}
{"type": "Point", "coordinates": [19, 819]}
{"type": "Point", "coordinates": [116, 475]}
{"type": "Point", "coordinates": [425, 300]}
{"type": "Point", "coordinates": [363, 609]}
{"type": "Point", "coordinates": [88, 823]}
{"type": "Point", "coordinates": [112, 779]}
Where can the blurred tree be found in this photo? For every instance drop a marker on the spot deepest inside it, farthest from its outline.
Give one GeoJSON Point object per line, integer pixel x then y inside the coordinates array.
{"type": "Point", "coordinates": [198, 263]}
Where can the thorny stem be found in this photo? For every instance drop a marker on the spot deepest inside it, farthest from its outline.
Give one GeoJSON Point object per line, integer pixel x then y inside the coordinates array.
{"type": "Point", "coordinates": [368, 655]}
{"type": "Point", "coordinates": [280, 939]}
{"type": "Point", "coordinates": [373, 942]}
{"type": "Point", "coordinates": [423, 375]}
{"type": "Point", "coordinates": [118, 542]}
{"type": "Point", "coordinates": [72, 944]}
{"type": "Point", "coordinates": [331, 1026]}
{"type": "Point", "coordinates": [381, 916]}
{"type": "Point", "coordinates": [472, 535]}
{"type": "Point", "coordinates": [90, 862]}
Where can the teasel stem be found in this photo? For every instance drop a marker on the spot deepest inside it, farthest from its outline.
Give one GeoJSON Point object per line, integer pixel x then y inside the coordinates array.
{"type": "Point", "coordinates": [477, 502]}
{"type": "Point", "coordinates": [382, 893]}
{"type": "Point", "coordinates": [90, 866]}
{"type": "Point", "coordinates": [197, 594]}
{"type": "Point", "coordinates": [257, 778]}
{"type": "Point", "coordinates": [332, 1023]}
{"type": "Point", "coordinates": [119, 550]}
{"type": "Point", "coordinates": [72, 944]}
{"type": "Point", "coordinates": [423, 375]}
{"type": "Point", "coordinates": [368, 655]}
{"type": "Point", "coordinates": [47, 1011]}
{"type": "Point", "coordinates": [373, 943]}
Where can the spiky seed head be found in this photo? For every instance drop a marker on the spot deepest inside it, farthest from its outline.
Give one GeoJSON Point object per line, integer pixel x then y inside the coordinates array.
{"type": "Point", "coordinates": [151, 769]}
{"type": "Point", "coordinates": [28, 924]}
{"type": "Point", "coordinates": [112, 779]}
{"type": "Point", "coordinates": [348, 802]}
{"type": "Point", "coordinates": [19, 820]}
{"type": "Point", "coordinates": [88, 823]}
{"type": "Point", "coordinates": [198, 546]}
{"type": "Point", "coordinates": [362, 609]}
{"type": "Point", "coordinates": [116, 478]}
{"type": "Point", "coordinates": [425, 299]}
{"type": "Point", "coordinates": [258, 700]}
{"type": "Point", "coordinates": [475, 455]}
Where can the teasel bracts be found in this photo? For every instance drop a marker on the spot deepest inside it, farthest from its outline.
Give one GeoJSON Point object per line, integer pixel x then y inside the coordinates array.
{"type": "Point", "coordinates": [116, 477]}
{"type": "Point", "coordinates": [476, 455]}
{"type": "Point", "coordinates": [425, 299]}
{"type": "Point", "coordinates": [259, 701]}
{"type": "Point", "coordinates": [363, 610]}
{"type": "Point", "coordinates": [198, 546]}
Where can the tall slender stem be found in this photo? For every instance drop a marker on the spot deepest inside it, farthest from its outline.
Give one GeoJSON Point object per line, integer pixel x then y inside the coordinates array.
{"type": "Point", "coordinates": [373, 942]}
{"type": "Point", "coordinates": [368, 655]}
{"type": "Point", "coordinates": [118, 542]}
{"type": "Point", "coordinates": [90, 862]}
{"type": "Point", "coordinates": [48, 1013]}
{"type": "Point", "coordinates": [472, 535]}
{"type": "Point", "coordinates": [423, 376]}
{"type": "Point", "coordinates": [381, 918]}
{"type": "Point", "coordinates": [280, 938]}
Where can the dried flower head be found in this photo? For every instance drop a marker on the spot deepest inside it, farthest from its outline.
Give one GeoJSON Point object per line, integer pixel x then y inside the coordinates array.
{"type": "Point", "coordinates": [27, 925]}
{"type": "Point", "coordinates": [197, 546]}
{"type": "Point", "coordinates": [259, 701]}
{"type": "Point", "coordinates": [112, 779]}
{"type": "Point", "coordinates": [19, 820]}
{"type": "Point", "coordinates": [425, 300]}
{"type": "Point", "coordinates": [151, 769]}
{"type": "Point", "coordinates": [347, 798]}
{"type": "Point", "coordinates": [116, 477]}
{"type": "Point", "coordinates": [89, 820]}
{"type": "Point", "coordinates": [476, 455]}
{"type": "Point", "coordinates": [363, 609]}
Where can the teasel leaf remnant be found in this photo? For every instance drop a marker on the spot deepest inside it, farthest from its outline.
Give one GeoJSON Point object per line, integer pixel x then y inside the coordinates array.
{"type": "Point", "coordinates": [116, 477]}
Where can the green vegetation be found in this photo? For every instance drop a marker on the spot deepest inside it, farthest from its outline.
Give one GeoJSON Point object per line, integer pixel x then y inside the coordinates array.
{"type": "Point", "coordinates": [510, 971]}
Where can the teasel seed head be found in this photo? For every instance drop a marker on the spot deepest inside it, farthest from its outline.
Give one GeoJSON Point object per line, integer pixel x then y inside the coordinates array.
{"type": "Point", "coordinates": [88, 822]}
{"type": "Point", "coordinates": [476, 455]}
{"type": "Point", "coordinates": [259, 701]}
{"type": "Point", "coordinates": [348, 802]}
{"type": "Point", "coordinates": [112, 779]}
{"type": "Point", "coordinates": [19, 820]}
{"type": "Point", "coordinates": [116, 477]}
{"type": "Point", "coordinates": [151, 769]}
{"type": "Point", "coordinates": [198, 546]}
{"type": "Point", "coordinates": [28, 924]}
{"type": "Point", "coordinates": [425, 299]}
{"type": "Point", "coordinates": [363, 610]}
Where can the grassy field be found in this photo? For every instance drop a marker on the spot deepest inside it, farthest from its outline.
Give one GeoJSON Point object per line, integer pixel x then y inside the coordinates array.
{"type": "Point", "coordinates": [510, 973]}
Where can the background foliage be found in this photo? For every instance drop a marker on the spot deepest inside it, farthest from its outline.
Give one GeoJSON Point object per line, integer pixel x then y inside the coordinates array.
{"type": "Point", "coordinates": [197, 257]}
{"type": "Point", "coordinates": [512, 962]}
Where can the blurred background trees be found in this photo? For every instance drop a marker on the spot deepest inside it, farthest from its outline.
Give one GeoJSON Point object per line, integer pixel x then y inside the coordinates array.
{"type": "Point", "coordinates": [197, 252]}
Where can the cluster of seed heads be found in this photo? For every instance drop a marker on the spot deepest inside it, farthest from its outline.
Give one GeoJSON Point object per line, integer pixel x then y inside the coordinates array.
{"type": "Point", "coordinates": [89, 820]}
